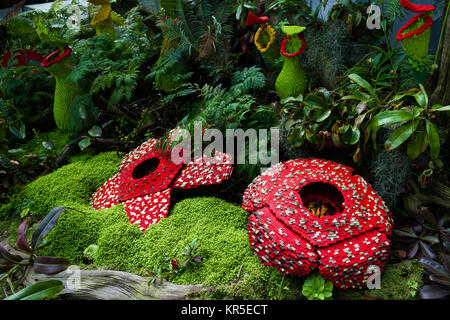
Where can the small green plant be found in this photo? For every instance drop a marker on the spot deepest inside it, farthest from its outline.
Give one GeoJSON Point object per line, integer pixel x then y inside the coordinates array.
{"type": "Point", "coordinates": [90, 253]}
{"type": "Point", "coordinates": [316, 288]}
{"type": "Point", "coordinates": [413, 287]}
{"type": "Point", "coordinates": [178, 263]}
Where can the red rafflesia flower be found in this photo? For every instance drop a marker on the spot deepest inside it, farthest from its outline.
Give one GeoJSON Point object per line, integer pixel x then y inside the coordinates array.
{"type": "Point", "coordinates": [147, 176]}
{"type": "Point", "coordinates": [309, 213]}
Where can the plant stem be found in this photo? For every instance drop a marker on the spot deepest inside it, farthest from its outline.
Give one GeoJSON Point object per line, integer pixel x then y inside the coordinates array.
{"type": "Point", "coordinates": [6, 276]}
{"type": "Point", "coordinates": [280, 287]}
{"type": "Point", "coordinates": [442, 31]}
{"type": "Point", "coordinates": [118, 112]}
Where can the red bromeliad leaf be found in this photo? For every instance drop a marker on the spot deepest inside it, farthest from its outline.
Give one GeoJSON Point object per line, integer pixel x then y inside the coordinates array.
{"type": "Point", "coordinates": [308, 213]}
{"type": "Point", "coordinates": [22, 242]}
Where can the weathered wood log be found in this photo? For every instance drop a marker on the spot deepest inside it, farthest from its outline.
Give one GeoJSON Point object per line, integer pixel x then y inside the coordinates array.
{"type": "Point", "coordinates": [112, 285]}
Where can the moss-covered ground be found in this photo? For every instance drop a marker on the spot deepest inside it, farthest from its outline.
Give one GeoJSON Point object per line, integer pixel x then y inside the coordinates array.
{"type": "Point", "coordinates": [218, 226]}
{"type": "Point", "coordinates": [229, 264]}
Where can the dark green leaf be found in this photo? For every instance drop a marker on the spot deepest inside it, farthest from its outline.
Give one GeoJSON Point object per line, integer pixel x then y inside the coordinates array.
{"type": "Point", "coordinates": [84, 143]}
{"type": "Point", "coordinates": [400, 135]}
{"type": "Point", "coordinates": [95, 132]}
{"type": "Point", "coordinates": [433, 140]}
{"type": "Point", "coordinates": [46, 226]}
{"type": "Point", "coordinates": [390, 117]}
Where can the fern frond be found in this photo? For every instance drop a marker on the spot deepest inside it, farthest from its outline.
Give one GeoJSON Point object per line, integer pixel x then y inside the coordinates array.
{"type": "Point", "coordinates": [393, 10]}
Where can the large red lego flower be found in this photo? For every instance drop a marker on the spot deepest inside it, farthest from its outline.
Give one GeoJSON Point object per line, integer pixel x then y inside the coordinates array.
{"type": "Point", "coordinates": [309, 213]}
{"type": "Point", "coordinates": [146, 177]}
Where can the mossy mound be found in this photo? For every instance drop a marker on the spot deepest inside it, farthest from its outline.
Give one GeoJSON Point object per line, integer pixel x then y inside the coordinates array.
{"type": "Point", "coordinates": [73, 183]}
{"type": "Point", "coordinates": [399, 281]}
{"type": "Point", "coordinates": [218, 226]}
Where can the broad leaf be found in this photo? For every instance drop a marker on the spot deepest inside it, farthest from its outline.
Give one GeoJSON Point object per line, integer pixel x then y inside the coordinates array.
{"type": "Point", "coordinates": [362, 83]}
{"type": "Point", "coordinates": [22, 242]}
{"type": "Point", "coordinates": [434, 291]}
{"type": "Point", "coordinates": [400, 135]}
{"type": "Point", "coordinates": [391, 117]}
{"type": "Point", "coordinates": [50, 265]}
{"type": "Point", "coordinates": [433, 140]}
{"type": "Point", "coordinates": [13, 258]}
{"type": "Point", "coordinates": [46, 226]}
{"type": "Point", "coordinates": [39, 291]}
{"type": "Point", "coordinates": [95, 131]}
{"type": "Point", "coordinates": [84, 143]}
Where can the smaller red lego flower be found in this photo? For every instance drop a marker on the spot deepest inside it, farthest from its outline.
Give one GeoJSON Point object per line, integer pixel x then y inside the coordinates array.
{"type": "Point", "coordinates": [47, 62]}
{"type": "Point", "coordinates": [147, 176]}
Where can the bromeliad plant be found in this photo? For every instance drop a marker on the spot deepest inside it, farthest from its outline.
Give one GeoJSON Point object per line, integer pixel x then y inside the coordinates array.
{"type": "Point", "coordinates": [12, 263]}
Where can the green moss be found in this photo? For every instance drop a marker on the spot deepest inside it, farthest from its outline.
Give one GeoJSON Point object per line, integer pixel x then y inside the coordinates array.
{"type": "Point", "coordinates": [73, 183]}
{"type": "Point", "coordinates": [117, 246]}
{"type": "Point", "coordinates": [220, 228]}
{"type": "Point", "coordinates": [75, 231]}
{"type": "Point", "coordinates": [399, 281]}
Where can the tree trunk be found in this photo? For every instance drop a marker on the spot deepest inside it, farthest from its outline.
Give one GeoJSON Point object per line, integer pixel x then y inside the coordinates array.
{"type": "Point", "coordinates": [111, 285]}
{"type": "Point", "coordinates": [441, 93]}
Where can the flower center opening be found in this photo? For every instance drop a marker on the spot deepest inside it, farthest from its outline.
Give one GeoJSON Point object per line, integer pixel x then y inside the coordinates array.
{"type": "Point", "coordinates": [322, 199]}
{"type": "Point", "coordinates": [145, 168]}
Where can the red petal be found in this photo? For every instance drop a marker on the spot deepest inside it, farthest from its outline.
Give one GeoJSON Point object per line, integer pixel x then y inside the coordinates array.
{"type": "Point", "coordinates": [345, 263]}
{"type": "Point", "coordinates": [416, 7]}
{"type": "Point", "coordinates": [107, 195]}
{"type": "Point", "coordinates": [149, 209]}
{"type": "Point", "coordinates": [254, 19]}
{"type": "Point", "coordinates": [280, 248]}
{"type": "Point", "coordinates": [205, 171]}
